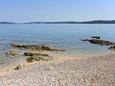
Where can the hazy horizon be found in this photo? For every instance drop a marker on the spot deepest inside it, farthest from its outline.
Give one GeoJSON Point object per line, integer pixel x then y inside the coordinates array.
{"type": "Point", "coordinates": [56, 10]}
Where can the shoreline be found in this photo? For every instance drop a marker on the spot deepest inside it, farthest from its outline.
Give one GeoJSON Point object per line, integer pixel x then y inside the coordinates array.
{"type": "Point", "coordinates": [57, 58]}
{"type": "Point", "coordinates": [24, 64]}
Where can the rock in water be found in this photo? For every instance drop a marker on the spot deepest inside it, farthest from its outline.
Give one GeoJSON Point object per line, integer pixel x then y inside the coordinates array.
{"type": "Point", "coordinates": [101, 42]}
{"type": "Point", "coordinates": [97, 40]}
{"type": "Point", "coordinates": [36, 47]}
{"type": "Point", "coordinates": [96, 37]}
{"type": "Point", "coordinates": [11, 53]}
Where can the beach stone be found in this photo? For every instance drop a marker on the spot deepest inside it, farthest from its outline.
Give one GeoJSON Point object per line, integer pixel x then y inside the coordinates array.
{"type": "Point", "coordinates": [94, 71]}
{"type": "Point", "coordinates": [18, 67]}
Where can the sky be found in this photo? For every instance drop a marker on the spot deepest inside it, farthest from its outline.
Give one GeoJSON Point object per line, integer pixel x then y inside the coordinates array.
{"type": "Point", "coordinates": [56, 10]}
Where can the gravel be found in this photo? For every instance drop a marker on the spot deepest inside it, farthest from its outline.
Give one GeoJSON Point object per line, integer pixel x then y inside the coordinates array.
{"type": "Point", "coordinates": [95, 71]}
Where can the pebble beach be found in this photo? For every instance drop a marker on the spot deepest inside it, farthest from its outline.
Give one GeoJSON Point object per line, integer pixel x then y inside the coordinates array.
{"type": "Point", "coordinates": [94, 71]}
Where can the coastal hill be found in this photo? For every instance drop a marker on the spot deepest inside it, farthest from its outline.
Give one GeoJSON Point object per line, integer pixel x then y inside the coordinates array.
{"type": "Point", "coordinates": [67, 22]}
{"type": "Point", "coordinates": [74, 22]}
{"type": "Point", "coordinates": [7, 23]}
{"type": "Point", "coordinates": [99, 22]}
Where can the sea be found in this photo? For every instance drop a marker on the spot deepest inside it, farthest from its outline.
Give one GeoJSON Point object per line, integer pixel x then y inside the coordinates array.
{"type": "Point", "coordinates": [65, 36]}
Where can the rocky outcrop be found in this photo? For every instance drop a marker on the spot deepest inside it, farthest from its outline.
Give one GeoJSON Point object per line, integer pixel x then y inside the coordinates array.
{"type": "Point", "coordinates": [99, 41]}
{"type": "Point", "coordinates": [34, 54]}
{"type": "Point", "coordinates": [36, 47]}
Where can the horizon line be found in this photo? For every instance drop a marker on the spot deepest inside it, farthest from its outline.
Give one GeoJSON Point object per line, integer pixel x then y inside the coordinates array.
{"type": "Point", "coordinates": [58, 21]}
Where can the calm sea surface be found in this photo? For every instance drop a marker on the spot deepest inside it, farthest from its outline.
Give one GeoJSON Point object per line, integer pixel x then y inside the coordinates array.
{"type": "Point", "coordinates": [65, 36]}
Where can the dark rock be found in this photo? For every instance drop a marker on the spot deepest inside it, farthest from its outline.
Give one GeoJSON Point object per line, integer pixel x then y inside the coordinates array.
{"type": "Point", "coordinates": [96, 37]}
{"type": "Point", "coordinates": [111, 47]}
{"type": "Point", "coordinates": [96, 40]}
{"type": "Point", "coordinates": [101, 42]}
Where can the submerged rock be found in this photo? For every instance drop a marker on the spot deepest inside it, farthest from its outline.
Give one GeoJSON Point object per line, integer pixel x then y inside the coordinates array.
{"type": "Point", "coordinates": [11, 53]}
{"type": "Point", "coordinates": [36, 47]}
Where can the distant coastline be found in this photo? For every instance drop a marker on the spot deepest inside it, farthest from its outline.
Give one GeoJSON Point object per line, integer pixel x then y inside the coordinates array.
{"type": "Point", "coordinates": [67, 22]}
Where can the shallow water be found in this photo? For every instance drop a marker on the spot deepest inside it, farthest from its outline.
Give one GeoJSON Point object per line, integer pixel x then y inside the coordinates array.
{"type": "Point", "coordinates": [65, 36]}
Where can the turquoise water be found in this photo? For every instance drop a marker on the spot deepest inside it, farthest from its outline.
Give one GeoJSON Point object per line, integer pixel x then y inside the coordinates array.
{"type": "Point", "coordinates": [57, 35]}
